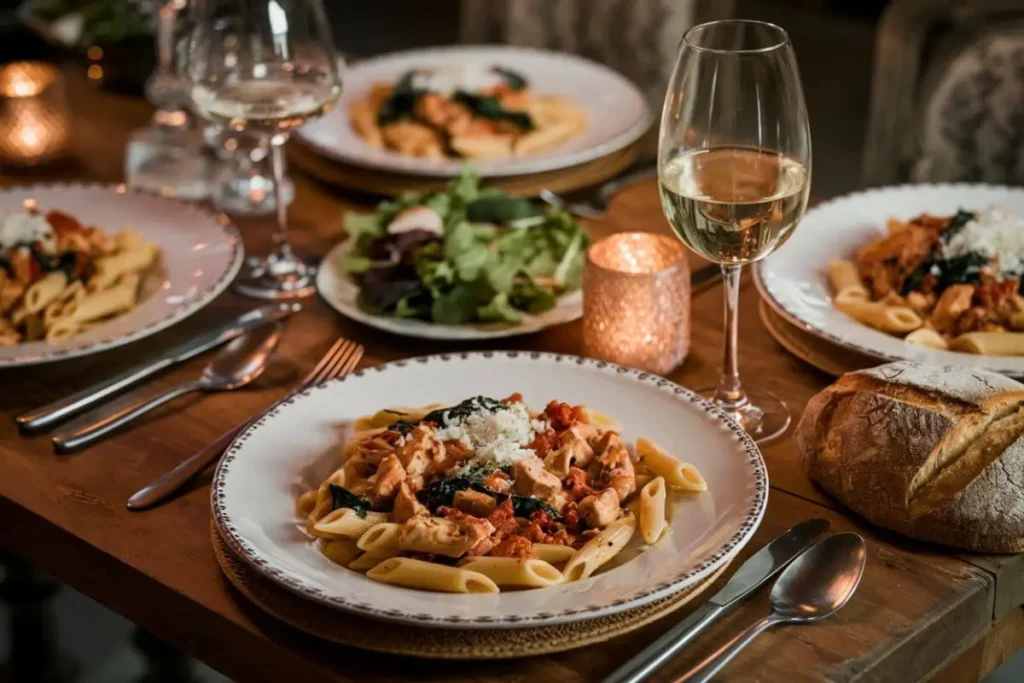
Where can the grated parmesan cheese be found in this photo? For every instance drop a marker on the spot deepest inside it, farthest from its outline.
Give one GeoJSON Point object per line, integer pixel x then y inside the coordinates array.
{"type": "Point", "coordinates": [495, 437]}
{"type": "Point", "coordinates": [994, 232]}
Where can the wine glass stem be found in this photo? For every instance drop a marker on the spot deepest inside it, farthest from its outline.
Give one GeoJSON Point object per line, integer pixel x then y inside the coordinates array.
{"type": "Point", "coordinates": [730, 394]}
{"type": "Point", "coordinates": [282, 247]}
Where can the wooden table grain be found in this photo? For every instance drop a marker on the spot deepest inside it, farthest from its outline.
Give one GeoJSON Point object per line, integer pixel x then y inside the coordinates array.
{"type": "Point", "coordinates": [921, 612]}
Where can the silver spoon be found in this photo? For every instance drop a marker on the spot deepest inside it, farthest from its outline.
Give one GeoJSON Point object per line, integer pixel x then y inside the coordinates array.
{"type": "Point", "coordinates": [815, 586]}
{"type": "Point", "coordinates": [236, 365]}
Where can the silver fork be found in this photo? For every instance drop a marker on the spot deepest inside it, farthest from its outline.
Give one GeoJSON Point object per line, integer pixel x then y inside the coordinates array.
{"type": "Point", "coordinates": [340, 360]}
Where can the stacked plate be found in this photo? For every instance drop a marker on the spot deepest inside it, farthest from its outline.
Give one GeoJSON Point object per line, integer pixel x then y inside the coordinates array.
{"type": "Point", "coordinates": [297, 446]}
{"type": "Point", "coordinates": [617, 117]}
{"type": "Point", "coordinates": [793, 281]}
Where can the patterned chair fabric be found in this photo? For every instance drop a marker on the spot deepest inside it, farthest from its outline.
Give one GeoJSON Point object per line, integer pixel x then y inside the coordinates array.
{"type": "Point", "coordinates": [948, 94]}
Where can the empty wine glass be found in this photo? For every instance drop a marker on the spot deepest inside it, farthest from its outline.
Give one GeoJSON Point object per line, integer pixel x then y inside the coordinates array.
{"type": "Point", "coordinates": [265, 67]}
{"type": "Point", "coordinates": [734, 165]}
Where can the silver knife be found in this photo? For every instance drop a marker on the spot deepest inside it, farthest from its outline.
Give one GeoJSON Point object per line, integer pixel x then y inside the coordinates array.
{"type": "Point", "coordinates": [58, 411]}
{"type": "Point", "coordinates": [763, 565]}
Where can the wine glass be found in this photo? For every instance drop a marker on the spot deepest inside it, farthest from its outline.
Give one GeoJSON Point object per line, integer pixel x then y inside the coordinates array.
{"type": "Point", "coordinates": [734, 169]}
{"type": "Point", "coordinates": [265, 67]}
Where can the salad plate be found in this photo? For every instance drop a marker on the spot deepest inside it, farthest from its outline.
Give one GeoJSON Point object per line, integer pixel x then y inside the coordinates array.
{"type": "Point", "coordinates": [295, 446]}
{"type": "Point", "coordinates": [617, 114]}
{"type": "Point", "coordinates": [464, 263]}
{"type": "Point", "coordinates": [794, 280]}
{"type": "Point", "coordinates": [199, 254]}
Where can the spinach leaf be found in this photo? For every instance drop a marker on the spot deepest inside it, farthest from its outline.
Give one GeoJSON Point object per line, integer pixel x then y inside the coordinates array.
{"type": "Point", "coordinates": [343, 498]}
{"type": "Point", "coordinates": [401, 102]}
{"type": "Point", "coordinates": [531, 297]}
{"type": "Point", "coordinates": [477, 404]}
{"type": "Point", "coordinates": [513, 79]}
{"type": "Point", "coordinates": [957, 224]}
{"type": "Point", "coordinates": [402, 427]}
{"type": "Point", "coordinates": [524, 506]}
{"type": "Point", "coordinates": [500, 209]}
{"type": "Point", "coordinates": [441, 492]}
{"type": "Point", "coordinates": [66, 262]}
{"type": "Point", "coordinates": [490, 108]}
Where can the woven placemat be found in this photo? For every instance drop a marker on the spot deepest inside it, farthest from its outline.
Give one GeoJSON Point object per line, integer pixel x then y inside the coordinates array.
{"type": "Point", "coordinates": [378, 182]}
{"type": "Point", "coordinates": [369, 634]}
{"type": "Point", "coordinates": [822, 354]}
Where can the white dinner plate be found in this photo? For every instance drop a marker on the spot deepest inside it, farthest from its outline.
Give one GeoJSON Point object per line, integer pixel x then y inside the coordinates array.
{"type": "Point", "coordinates": [200, 254]}
{"type": "Point", "coordinates": [618, 114]}
{"type": "Point", "coordinates": [340, 291]}
{"type": "Point", "coordinates": [794, 282]}
{"type": "Point", "coordinates": [296, 446]}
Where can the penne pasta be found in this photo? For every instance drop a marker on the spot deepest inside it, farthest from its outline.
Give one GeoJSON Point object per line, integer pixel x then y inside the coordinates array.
{"type": "Point", "coordinates": [128, 239]}
{"type": "Point", "coordinates": [365, 562]}
{"type": "Point", "coordinates": [600, 549]}
{"type": "Point", "coordinates": [676, 473]}
{"type": "Point", "coordinates": [990, 343]}
{"type": "Point", "coordinates": [34, 328]}
{"type": "Point", "coordinates": [404, 571]}
{"type": "Point", "coordinates": [845, 280]}
{"type": "Point", "coordinates": [512, 571]}
{"type": "Point", "coordinates": [599, 419]}
{"type": "Point", "coordinates": [346, 523]}
{"type": "Point", "coordinates": [892, 319]}
{"type": "Point", "coordinates": [45, 291]}
{"type": "Point", "coordinates": [927, 337]}
{"type": "Point", "coordinates": [381, 539]}
{"type": "Point", "coordinates": [553, 554]}
{"type": "Point", "coordinates": [339, 551]}
{"type": "Point", "coordinates": [107, 269]}
{"type": "Point", "coordinates": [61, 329]}
{"type": "Point", "coordinates": [651, 510]}
{"type": "Point", "coordinates": [306, 503]}
{"type": "Point", "coordinates": [103, 303]}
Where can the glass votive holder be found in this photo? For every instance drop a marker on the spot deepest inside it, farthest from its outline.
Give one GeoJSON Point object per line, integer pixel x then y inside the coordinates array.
{"type": "Point", "coordinates": [34, 119]}
{"type": "Point", "coordinates": [636, 301]}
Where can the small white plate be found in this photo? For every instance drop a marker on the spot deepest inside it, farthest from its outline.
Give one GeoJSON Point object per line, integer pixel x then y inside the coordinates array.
{"type": "Point", "coordinates": [794, 282]}
{"type": "Point", "coordinates": [340, 291]}
{"type": "Point", "coordinates": [618, 114]}
{"type": "Point", "coordinates": [296, 446]}
{"type": "Point", "coordinates": [200, 255]}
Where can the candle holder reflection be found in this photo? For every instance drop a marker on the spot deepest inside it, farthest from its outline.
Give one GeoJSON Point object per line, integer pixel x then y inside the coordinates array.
{"type": "Point", "coordinates": [34, 125]}
{"type": "Point", "coordinates": [636, 301]}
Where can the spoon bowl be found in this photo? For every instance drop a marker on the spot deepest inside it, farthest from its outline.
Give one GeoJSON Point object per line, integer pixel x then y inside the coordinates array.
{"type": "Point", "coordinates": [241, 362]}
{"type": "Point", "coordinates": [821, 580]}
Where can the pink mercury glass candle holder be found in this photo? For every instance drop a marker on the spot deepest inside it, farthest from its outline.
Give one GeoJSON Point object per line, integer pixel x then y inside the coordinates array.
{"type": "Point", "coordinates": [636, 301]}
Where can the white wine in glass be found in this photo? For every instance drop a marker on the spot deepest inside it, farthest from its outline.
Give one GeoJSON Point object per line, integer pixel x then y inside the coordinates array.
{"type": "Point", "coordinates": [265, 67]}
{"type": "Point", "coordinates": [734, 167]}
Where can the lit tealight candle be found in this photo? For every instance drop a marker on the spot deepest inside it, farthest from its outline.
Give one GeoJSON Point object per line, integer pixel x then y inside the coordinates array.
{"type": "Point", "coordinates": [636, 301]}
{"type": "Point", "coordinates": [33, 118]}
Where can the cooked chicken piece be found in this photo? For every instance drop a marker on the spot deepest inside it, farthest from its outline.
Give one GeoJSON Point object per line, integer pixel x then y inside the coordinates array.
{"type": "Point", "coordinates": [600, 510]}
{"type": "Point", "coordinates": [951, 305]}
{"type": "Point", "coordinates": [440, 536]}
{"type": "Point", "coordinates": [476, 503]}
{"type": "Point", "coordinates": [612, 466]}
{"type": "Point", "coordinates": [576, 485]}
{"type": "Point", "coordinates": [513, 546]}
{"type": "Point", "coordinates": [886, 262]}
{"type": "Point", "coordinates": [571, 449]}
{"type": "Point", "coordinates": [498, 482]}
{"type": "Point", "coordinates": [389, 475]}
{"type": "Point", "coordinates": [422, 449]}
{"type": "Point", "coordinates": [406, 505]}
{"type": "Point", "coordinates": [531, 479]}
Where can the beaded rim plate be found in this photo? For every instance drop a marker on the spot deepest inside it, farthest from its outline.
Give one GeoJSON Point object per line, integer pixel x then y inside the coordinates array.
{"type": "Point", "coordinates": [341, 292]}
{"type": "Point", "coordinates": [794, 282]}
{"type": "Point", "coordinates": [295, 446]}
{"type": "Point", "coordinates": [617, 110]}
{"type": "Point", "coordinates": [201, 253]}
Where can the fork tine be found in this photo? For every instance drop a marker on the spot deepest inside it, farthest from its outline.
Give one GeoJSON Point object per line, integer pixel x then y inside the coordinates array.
{"type": "Point", "coordinates": [324, 361]}
{"type": "Point", "coordinates": [350, 364]}
{"type": "Point", "coordinates": [339, 359]}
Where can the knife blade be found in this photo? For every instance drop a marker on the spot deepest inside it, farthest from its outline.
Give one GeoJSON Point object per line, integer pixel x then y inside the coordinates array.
{"type": "Point", "coordinates": [62, 409]}
{"type": "Point", "coordinates": [762, 565]}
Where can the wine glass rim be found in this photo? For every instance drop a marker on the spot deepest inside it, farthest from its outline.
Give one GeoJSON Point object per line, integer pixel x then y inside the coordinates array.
{"type": "Point", "coordinates": [783, 37]}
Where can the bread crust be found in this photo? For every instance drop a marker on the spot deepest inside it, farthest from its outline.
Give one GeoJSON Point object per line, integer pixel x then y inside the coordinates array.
{"type": "Point", "coordinates": [933, 453]}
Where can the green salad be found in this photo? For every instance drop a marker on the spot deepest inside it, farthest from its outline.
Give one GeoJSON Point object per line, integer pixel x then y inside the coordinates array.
{"type": "Point", "coordinates": [464, 254]}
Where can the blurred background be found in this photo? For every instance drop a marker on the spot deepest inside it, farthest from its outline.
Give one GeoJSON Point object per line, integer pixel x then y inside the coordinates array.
{"type": "Point", "coordinates": [909, 89]}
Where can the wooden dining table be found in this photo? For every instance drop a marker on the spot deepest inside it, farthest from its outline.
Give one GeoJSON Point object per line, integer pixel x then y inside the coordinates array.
{"type": "Point", "coordinates": [921, 613]}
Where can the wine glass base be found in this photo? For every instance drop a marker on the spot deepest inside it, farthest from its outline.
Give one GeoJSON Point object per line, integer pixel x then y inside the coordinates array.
{"type": "Point", "coordinates": [278, 278]}
{"type": "Point", "coordinates": [764, 416]}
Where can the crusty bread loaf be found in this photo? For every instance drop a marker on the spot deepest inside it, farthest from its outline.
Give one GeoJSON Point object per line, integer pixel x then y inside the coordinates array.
{"type": "Point", "coordinates": [936, 453]}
